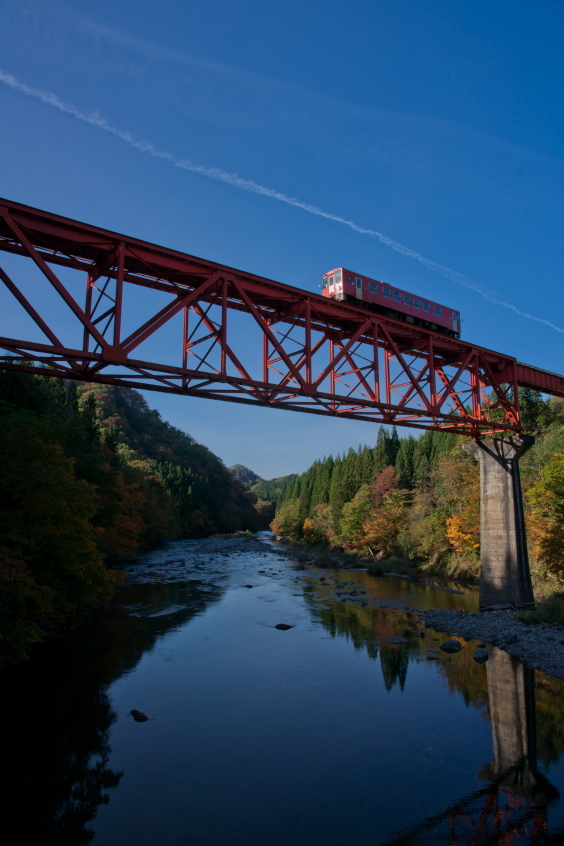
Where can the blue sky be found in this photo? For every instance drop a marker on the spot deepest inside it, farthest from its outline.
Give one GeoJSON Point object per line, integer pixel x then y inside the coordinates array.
{"type": "Point", "coordinates": [437, 124]}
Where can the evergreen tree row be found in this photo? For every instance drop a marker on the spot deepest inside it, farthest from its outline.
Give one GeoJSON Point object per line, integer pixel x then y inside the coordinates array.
{"type": "Point", "coordinates": [336, 481]}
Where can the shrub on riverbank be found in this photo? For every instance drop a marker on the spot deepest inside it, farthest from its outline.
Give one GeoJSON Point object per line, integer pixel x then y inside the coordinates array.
{"type": "Point", "coordinates": [551, 610]}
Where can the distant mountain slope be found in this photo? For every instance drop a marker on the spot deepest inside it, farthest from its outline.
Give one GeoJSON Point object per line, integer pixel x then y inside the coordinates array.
{"type": "Point", "coordinates": [244, 475]}
{"type": "Point", "coordinates": [274, 488]}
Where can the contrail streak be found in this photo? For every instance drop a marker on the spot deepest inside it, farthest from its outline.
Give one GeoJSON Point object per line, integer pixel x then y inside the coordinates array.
{"type": "Point", "coordinates": [95, 119]}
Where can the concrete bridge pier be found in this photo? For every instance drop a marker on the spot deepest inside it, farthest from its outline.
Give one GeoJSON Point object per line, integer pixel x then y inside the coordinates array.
{"type": "Point", "coordinates": [504, 562]}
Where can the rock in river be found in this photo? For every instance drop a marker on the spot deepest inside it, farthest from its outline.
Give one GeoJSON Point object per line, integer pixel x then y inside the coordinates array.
{"type": "Point", "coordinates": [283, 627]}
{"type": "Point", "coordinates": [451, 645]}
{"type": "Point", "coordinates": [480, 655]}
{"type": "Point", "coordinates": [138, 716]}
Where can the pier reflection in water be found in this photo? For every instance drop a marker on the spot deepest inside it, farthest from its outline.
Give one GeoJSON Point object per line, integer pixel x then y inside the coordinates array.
{"type": "Point", "coordinates": [513, 807]}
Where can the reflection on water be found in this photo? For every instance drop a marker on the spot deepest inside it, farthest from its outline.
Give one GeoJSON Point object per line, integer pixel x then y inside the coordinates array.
{"type": "Point", "coordinates": [513, 807]}
{"type": "Point", "coordinates": [59, 714]}
{"type": "Point", "coordinates": [325, 733]}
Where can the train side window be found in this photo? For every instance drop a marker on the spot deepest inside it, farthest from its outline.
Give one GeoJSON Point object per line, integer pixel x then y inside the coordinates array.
{"type": "Point", "coordinates": [387, 292]}
{"type": "Point", "coordinates": [407, 299]}
{"type": "Point", "coordinates": [338, 275]}
{"type": "Point", "coordinates": [416, 302]}
{"type": "Point", "coordinates": [397, 296]}
{"type": "Point", "coordinates": [351, 280]}
{"type": "Point", "coordinates": [358, 282]}
{"type": "Point", "coordinates": [426, 306]}
{"type": "Point", "coordinates": [373, 287]}
{"type": "Point", "coordinates": [438, 311]}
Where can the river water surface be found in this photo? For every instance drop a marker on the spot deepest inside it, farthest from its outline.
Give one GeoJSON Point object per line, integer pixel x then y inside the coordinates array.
{"type": "Point", "coordinates": [322, 733]}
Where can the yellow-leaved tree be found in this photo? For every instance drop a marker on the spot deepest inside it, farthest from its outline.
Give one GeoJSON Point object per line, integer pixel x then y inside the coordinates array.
{"type": "Point", "coordinates": [545, 516]}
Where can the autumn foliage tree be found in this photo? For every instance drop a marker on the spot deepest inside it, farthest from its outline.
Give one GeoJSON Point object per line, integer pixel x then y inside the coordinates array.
{"type": "Point", "coordinates": [89, 476]}
{"type": "Point", "coordinates": [545, 516]}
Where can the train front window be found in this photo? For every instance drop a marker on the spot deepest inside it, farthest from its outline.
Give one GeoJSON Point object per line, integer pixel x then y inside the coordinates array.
{"type": "Point", "coordinates": [331, 280]}
{"type": "Point", "coordinates": [323, 281]}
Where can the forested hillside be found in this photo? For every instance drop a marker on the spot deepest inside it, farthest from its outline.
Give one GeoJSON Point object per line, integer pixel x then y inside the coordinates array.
{"type": "Point", "coordinates": [90, 474]}
{"type": "Point", "coordinates": [245, 476]}
{"type": "Point", "coordinates": [415, 501]}
{"type": "Point", "coordinates": [274, 488]}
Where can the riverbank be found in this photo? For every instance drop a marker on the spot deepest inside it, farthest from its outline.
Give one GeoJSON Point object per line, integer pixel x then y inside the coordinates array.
{"type": "Point", "coordinates": [538, 644]}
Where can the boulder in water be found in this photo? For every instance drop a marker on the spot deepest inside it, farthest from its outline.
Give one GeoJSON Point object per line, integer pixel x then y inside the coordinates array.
{"type": "Point", "coordinates": [138, 716]}
{"type": "Point", "coordinates": [451, 645]}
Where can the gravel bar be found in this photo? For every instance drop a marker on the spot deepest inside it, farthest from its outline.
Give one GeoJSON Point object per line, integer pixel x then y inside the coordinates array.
{"type": "Point", "coordinates": [540, 645]}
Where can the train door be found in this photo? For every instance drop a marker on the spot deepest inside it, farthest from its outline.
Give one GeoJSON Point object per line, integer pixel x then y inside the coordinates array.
{"type": "Point", "coordinates": [358, 288]}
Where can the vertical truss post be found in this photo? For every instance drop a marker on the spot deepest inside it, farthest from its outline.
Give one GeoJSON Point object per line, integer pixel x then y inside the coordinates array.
{"type": "Point", "coordinates": [376, 363]}
{"type": "Point", "coordinates": [332, 380]}
{"type": "Point", "coordinates": [308, 342]}
{"type": "Point", "coordinates": [475, 383]}
{"type": "Point", "coordinates": [88, 311]}
{"type": "Point", "coordinates": [265, 361]}
{"type": "Point", "coordinates": [515, 387]}
{"type": "Point", "coordinates": [119, 294]}
{"type": "Point", "coordinates": [223, 331]}
{"type": "Point", "coordinates": [388, 375]}
{"type": "Point", "coordinates": [185, 325]}
{"type": "Point", "coordinates": [432, 384]}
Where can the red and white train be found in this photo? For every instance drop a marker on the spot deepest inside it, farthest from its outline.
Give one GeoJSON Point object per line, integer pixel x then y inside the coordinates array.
{"type": "Point", "coordinates": [344, 285]}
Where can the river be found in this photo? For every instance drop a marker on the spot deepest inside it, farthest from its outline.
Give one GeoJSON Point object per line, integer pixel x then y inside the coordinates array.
{"type": "Point", "coordinates": [319, 732]}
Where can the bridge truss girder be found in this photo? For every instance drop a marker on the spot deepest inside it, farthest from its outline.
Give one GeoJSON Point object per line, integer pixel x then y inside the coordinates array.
{"type": "Point", "coordinates": [238, 337]}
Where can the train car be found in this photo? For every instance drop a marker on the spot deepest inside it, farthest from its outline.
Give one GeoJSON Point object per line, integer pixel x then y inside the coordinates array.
{"type": "Point", "coordinates": [344, 285]}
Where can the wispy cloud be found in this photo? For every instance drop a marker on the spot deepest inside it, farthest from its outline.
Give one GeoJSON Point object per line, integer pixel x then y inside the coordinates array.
{"type": "Point", "coordinates": [95, 119]}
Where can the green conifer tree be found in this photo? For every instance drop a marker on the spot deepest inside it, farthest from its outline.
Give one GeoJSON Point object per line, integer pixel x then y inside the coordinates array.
{"type": "Point", "coordinates": [404, 461]}
{"type": "Point", "coordinates": [336, 500]}
{"type": "Point", "coordinates": [381, 451]}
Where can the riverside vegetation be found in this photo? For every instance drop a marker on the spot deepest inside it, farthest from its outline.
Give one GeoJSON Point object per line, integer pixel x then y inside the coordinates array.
{"type": "Point", "coordinates": [413, 505]}
{"type": "Point", "coordinates": [90, 474]}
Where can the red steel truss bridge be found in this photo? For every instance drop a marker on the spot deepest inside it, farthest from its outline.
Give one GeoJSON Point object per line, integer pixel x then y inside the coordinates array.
{"type": "Point", "coordinates": [102, 307]}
